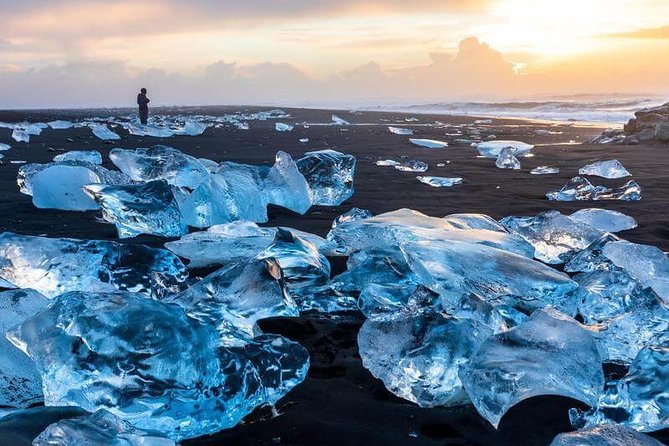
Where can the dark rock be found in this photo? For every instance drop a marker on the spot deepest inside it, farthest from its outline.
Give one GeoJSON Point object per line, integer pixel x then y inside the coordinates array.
{"type": "Point", "coordinates": [662, 132]}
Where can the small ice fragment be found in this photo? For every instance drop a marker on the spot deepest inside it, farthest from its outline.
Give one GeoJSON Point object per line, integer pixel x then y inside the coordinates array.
{"type": "Point", "coordinates": [483, 121]}
{"type": "Point", "coordinates": [492, 149]}
{"type": "Point", "coordinates": [16, 161]}
{"type": "Point", "coordinates": [412, 166]}
{"type": "Point", "coordinates": [545, 170]}
{"type": "Point", "coordinates": [4, 147]}
{"type": "Point", "coordinates": [611, 169]}
{"type": "Point", "coordinates": [385, 163]}
{"type": "Point", "coordinates": [20, 135]}
{"type": "Point", "coordinates": [439, 181]}
{"type": "Point", "coordinates": [400, 131]}
{"type": "Point", "coordinates": [429, 143]}
{"type": "Point", "coordinates": [304, 140]}
{"type": "Point", "coordinates": [604, 220]}
{"type": "Point", "coordinates": [339, 121]}
{"type": "Point", "coordinates": [506, 160]}
{"type": "Point", "coordinates": [88, 156]}
{"type": "Point", "coordinates": [103, 132]}
{"type": "Point", "coordinates": [282, 127]}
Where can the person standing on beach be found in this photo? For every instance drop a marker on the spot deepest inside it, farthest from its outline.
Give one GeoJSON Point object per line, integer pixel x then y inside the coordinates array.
{"type": "Point", "coordinates": [143, 103]}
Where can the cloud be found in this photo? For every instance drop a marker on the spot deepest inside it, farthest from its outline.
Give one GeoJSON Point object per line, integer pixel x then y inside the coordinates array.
{"type": "Point", "coordinates": [650, 33]}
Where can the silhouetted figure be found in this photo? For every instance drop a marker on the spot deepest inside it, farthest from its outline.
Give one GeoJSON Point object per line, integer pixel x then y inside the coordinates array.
{"type": "Point", "coordinates": [143, 103]}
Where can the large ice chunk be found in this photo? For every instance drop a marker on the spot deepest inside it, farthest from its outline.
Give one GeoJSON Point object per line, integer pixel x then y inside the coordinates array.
{"type": "Point", "coordinates": [609, 435]}
{"type": "Point", "coordinates": [103, 132]}
{"type": "Point", "coordinates": [148, 208]}
{"type": "Point", "coordinates": [506, 159]}
{"type": "Point", "coordinates": [400, 130]}
{"type": "Point", "coordinates": [592, 258]}
{"type": "Point", "coordinates": [611, 169]}
{"type": "Point", "coordinates": [580, 189]}
{"type": "Point", "coordinates": [429, 143]}
{"type": "Point", "coordinates": [419, 358]}
{"type": "Point", "coordinates": [160, 163]}
{"type": "Point", "coordinates": [60, 124]}
{"type": "Point", "coordinates": [549, 354]}
{"type": "Point", "coordinates": [492, 149]}
{"type": "Point", "coordinates": [148, 363]}
{"type": "Point", "coordinates": [555, 237]}
{"type": "Point", "coordinates": [28, 172]}
{"type": "Point", "coordinates": [54, 266]}
{"type": "Point", "coordinates": [286, 186]}
{"type": "Point", "coordinates": [61, 187]}
{"type": "Point", "coordinates": [88, 156]}
{"type": "Point", "coordinates": [329, 175]}
{"type": "Point", "coordinates": [99, 429]}
{"type": "Point", "coordinates": [20, 384]}
{"type": "Point", "coordinates": [604, 219]}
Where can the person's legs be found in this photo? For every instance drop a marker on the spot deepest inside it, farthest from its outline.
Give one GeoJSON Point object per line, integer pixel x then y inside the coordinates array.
{"type": "Point", "coordinates": [143, 116]}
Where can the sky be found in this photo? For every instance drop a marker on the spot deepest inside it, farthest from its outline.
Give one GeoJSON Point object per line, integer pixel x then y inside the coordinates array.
{"type": "Point", "coordinates": [73, 53]}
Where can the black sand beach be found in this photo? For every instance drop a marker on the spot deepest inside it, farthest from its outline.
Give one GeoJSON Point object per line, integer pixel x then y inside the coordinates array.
{"type": "Point", "coordinates": [340, 403]}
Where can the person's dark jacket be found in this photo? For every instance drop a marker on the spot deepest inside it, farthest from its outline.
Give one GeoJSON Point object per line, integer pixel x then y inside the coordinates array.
{"type": "Point", "coordinates": [143, 101]}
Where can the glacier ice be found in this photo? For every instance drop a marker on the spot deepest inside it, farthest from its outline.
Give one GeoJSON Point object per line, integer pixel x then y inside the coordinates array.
{"type": "Point", "coordinates": [580, 189]}
{"type": "Point", "coordinates": [99, 429]}
{"type": "Point", "coordinates": [20, 135]}
{"type": "Point", "coordinates": [412, 166]}
{"type": "Point", "coordinates": [591, 258]}
{"type": "Point", "coordinates": [160, 163]}
{"type": "Point", "coordinates": [28, 172]}
{"type": "Point", "coordinates": [20, 384]}
{"type": "Point", "coordinates": [285, 186]}
{"type": "Point", "coordinates": [506, 159]}
{"type": "Point", "coordinates": [638, 400]}
{"type": "Point", "coordinates": [419, 358]}
{"type": "Point", "coordinates": [54, 266]}
{"type": "Point", "coordinates": [61, 187]}
{"type": "Point", "coordinates": [548, 354]}
{"type": "Point", "coordinates": [354, 214]}
{"type": "Point", "coordinates": [429, 143]}
{"type": "Point", "coordinates": [492, 149]}
{"type": "Point", "coordinates": [88, 156]}
{"type": "Point", "coordinates": [400, 130]}
{"type": "Point", "coordinates": [611, 169]}
{"type": "Point", "coordinates": [545, 170]}
{"type": "Point", "coordinates": [336, 120]}
{"type": "Point", "coordinates": [329, 175]}
{"type": "Point", "coordinates": [148, 363]}
{"type": "Point", "coordinates": [103, 132]}
{"type": "Point", "coordinates": [607, 435]}
{"type": "Point", "coordinates": [604, 219]}
{"type": "Point", "coordinates": [555, 237]}
{"type": "Point", "coordinates": [60, 124]}
{"type": "Point", "coordinates": [282, 127]}
{"type": "Point", "coordinates": [439, 181]}
{"type": "Point", "coordinates": [148, 208]}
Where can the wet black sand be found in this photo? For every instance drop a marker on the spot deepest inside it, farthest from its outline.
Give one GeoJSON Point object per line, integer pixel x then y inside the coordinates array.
{"type": "Point", "coordinates": [340, 403]}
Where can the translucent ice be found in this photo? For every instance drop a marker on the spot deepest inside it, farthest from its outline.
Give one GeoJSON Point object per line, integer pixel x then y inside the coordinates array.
{"type": "Point", "coordinates": [429, 143]}
{"type": "Point", "coordinates": [412, 166]}
{"type": "Point", "coordinates": [4, 147]}
{"type": "Point", "coordinates": [148, 208]}
{"type": "Point", "coordinates": [549, 354]}
{"type": "Point", "coordinates": [506, 159]}
{"type": "Point", "coordinates": [329, 175]}
{"type": "Point", "coordinates": [492, 149]}
{"type": "Point", "coordinates": [20, 384]}
{"type": "Point", "coordinates": [60, 125]}
{"type": "Point", "coordinates": [385, 163]}
{"type": "Point", "coordinates": [400, 130]}
{"type": "Point", "coordinates": [28, 172]}
{"type": "Point", "coordinates": [545, 170]}
{"type": "Point", "coordinates": [580, 189]}
{"type": "Point", "coordinates": [103, 132]}
{"type": "Point", "coordinates": [20, 135]}
{"type": "Point", "coordinates": [638, 400]}
{"type": "Point", "coordinates": [286, 186]}
{"type": "Point", "coordinates": [608, 435]}
{"type": "Point", "coordinates": [160, 163]}
{"type": "Point", "coordinates": [88, 156]}
{"type": "Point", "coordinates": [439, 181]}
{"type": "Point", "coordinates": [591, 258]}
{"type": "Point", "coordinates": [281, 127]}
{"type": "Point", "coordinates": [604, 220]}
{"type": "Point", "coordinates": [53, 266]}
{"type": "Point", "coordinates": [99, 429]}
{"type": "Point", "coordinates": [60, 187]}
{"type": "Point", "coordinates": [419, 358]}
{"type": "Point", "coordinates": [555, 237]}
{"type": "Point", "coordinates": [607, 169]}
{"type": "Point", "coordinates": [148, 363]}
{"type": "Point", "coordinates": [336, 120]}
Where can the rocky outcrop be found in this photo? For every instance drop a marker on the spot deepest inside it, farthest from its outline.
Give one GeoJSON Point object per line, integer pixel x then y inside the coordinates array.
{"type": "Point", "coordinates": [649, 126]}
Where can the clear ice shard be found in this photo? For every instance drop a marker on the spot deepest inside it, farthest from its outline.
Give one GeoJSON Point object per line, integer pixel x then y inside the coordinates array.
{"type": "Point", "coordinates": [419, 357]}
{"type": "Point", "coordinates": [99, 429]}
{"type": "Point", "coordinates": [611, 169]}
{"type": "Point", "coordinates": [237, 296]}
{"type": "Point", "coordinates": [387, 163]}
{"type": "Point", "coordinates": [591, 258]}
{"type": "Point", "coordinates": [429, 143]}
{"type": "Point", "coordinates": [439, 181]}
{"type": "Point", "coordinates": [54, 266]}
{"type": "Point", "coordinates": [61, 187]}
{"type": "Point", "coordinates": [20, 135]}
{"type": "Point", "coordinates": [87, 156]}
{"type": "Point", "coordinates": [160, 163]}
{"type": "Point", "coordinates": [148, 363]}
{"type": "Point", "coordinates": [492, 149]}
{"type": "Point", "coordinates": [555, 237]}
{"type": "Point", "coordinates": [604, 219]}
{"type": "Point", "coordinates": [545, 170]}
{"type": "Point", "coordinates": [647, 264]}
{"type": "Point", "coordinates": [454, 268]}
{"type": "Point", "coordinates": [400, 130]}
{"type": "Point", "coordinates": [336, 120]}
{"type": "Point", "coordinates": [20, 383]}
{"type": "Point", "coordinates": [580, 189]}
{"type": "Point", "coordinates": [405, 225]}
{"type": "Point", "coordinates": [282, 127]}
{"type": "Point", "coordinates": [607, 435]}
{"type": "Point", "coordinates": [103, 132]}
{"type": "Point", "coordinates": [412, 166]}
{"type": "Point", "coordinates": [285, 186]}
{"type": "Point", "coordinates": [148, 208]}
{"type": "Point", "coordinates": [548, 354]}
{"type": "Point", "coordinates": [506, 159]}
{"type": "Point", "coordinates": [329, 175]}
{"type": "Point", "coordinates": [638, 400]}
